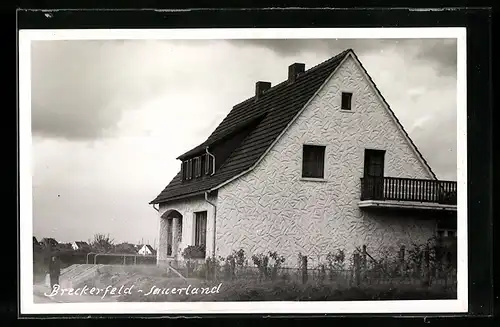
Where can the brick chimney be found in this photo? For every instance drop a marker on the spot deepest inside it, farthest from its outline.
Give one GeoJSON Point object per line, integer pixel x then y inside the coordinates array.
{"type": "Point", "coordinates": [294, 70]}
{"type": "Point", "coordinates": [261, 87]}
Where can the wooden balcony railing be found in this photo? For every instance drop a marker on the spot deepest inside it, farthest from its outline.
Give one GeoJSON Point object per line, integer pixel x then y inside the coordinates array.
{"type": "Point", "coordinates": [408, 189]}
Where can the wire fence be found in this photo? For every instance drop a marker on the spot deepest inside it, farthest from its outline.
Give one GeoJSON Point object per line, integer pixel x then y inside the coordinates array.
{"type": "Point", "coordinates": [420, 266]}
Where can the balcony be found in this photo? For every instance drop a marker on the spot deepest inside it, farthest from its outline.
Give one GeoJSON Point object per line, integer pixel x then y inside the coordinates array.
{"type": "Point", "coordinates": [392, 192]}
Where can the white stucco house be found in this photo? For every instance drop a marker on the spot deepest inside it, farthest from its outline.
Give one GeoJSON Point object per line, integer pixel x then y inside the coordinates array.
{"type": "Point", "coordinates": [80, 245]}
{"type": "Point", "coordinates": [146, 249]}
{"type": "Point", "coordinates": [316, 163]}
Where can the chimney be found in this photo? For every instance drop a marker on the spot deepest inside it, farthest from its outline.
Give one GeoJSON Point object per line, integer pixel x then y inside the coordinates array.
{"type": "Point", "coordinates": [260, 88]}
{"type": "Point", "coordinates": [294, 70]}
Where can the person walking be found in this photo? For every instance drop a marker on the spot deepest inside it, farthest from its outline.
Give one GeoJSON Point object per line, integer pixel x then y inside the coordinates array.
{"type": "Point", "coordinates": [54, 270]}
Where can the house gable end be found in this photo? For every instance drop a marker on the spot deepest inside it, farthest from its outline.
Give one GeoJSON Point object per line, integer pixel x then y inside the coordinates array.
{"type": "Point", "coordinates": [373, 91]}
{"type": "Point", "coordinates": [273, 197]}
{"type": "Point", "coordinates": [395, 120]}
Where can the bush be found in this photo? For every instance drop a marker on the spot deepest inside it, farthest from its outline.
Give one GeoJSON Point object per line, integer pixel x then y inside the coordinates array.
{"type": "Point", "coordinates": [194, 252]}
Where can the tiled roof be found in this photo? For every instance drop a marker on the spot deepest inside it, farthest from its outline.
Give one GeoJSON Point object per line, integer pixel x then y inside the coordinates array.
{"type": "Point", "coordinates": [272, 112]}
{"type": "Point", "coordinates": [277, 107]}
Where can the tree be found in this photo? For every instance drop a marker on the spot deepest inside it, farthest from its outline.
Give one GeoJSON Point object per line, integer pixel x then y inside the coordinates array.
{"type": "Point", "coordinates": [102, 243]}
{"type": "Point", "coordinates": [125, 248]}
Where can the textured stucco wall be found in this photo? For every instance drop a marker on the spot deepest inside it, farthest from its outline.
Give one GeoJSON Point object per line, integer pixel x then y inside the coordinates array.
{"type": "Point", "coordinates": [272, 209]}
{"type": "Point", "coordinates": [186, 208]}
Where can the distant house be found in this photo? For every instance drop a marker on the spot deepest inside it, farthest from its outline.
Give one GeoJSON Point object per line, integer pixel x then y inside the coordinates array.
{"type": "Point", "coordinates": [146, 249]}
{"type": "Point", "coordinates": [48, 242]}
{"type": "Point", "coordinates": [316, 163]}
{"type": "Point", "coordinates": [80, 245]}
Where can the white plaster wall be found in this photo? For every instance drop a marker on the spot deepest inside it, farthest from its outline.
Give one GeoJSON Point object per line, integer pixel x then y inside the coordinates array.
{"type": "Point", "coordinates": [272, 209]}
{"type": "Point", "coordinates": [186, 208]}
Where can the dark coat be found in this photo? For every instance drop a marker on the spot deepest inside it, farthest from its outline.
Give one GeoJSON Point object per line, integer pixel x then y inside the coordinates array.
{"type": "Point", "coordinates": [55, 267]}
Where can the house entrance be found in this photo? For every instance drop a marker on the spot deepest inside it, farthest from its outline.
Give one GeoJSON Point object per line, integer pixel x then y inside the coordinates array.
{"type": "Point", "coordinates": [174, 232]}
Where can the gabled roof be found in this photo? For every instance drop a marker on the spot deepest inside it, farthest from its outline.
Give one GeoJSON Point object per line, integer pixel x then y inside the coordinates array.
{"type": "Point", "coordinates": [81, 243]}
{"type": "Point", "coordinates": [149, 247]}
{"type": "Point", "coordinates": [277, 107]}
{"type": "Point", "coordinates": [273, 111]}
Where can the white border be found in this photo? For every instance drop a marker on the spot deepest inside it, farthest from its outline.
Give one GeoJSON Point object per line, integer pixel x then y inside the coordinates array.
{"type": "Point", "coordinates": [345, 307]}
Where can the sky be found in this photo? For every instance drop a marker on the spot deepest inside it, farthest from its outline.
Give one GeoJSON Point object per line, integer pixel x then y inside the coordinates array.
{"type": "Point", "coordinates": [110, 117]}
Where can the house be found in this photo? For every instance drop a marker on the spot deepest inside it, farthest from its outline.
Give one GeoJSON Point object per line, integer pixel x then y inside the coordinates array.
{"type": "Point", "coordinates": [80, 245]}
{"type": "Point", "coordinates": [146, 249]}
{"type": "Point", "coordinates": [316, 163]}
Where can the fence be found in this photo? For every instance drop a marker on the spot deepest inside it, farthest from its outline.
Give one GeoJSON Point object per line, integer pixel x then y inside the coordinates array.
{"type": "Point", "coordinates": [67, 258]}
{"type": "Point", "coordinates": [120, 259]}
{"type": "Point", "coordinates": [420, 266]}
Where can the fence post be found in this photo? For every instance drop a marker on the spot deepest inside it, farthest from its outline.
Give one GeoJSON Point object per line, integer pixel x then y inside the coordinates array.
{"type": "Point", "coordinates": [356, 269]}
{"type": "Point", "coordinates": [364, 262]}
{"type": "Point", "coordinates": [232, 270]}
{"type": "Point", "coordinates": [304, 269]}
{"type": "Point", "coordinates": [402, 260]}
{"type": "Point", "coordinates": [427, 272]}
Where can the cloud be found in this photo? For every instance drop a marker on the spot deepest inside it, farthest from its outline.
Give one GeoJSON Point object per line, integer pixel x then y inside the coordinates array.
{"type": "Point", "coordinates": [439, 52]}
{"type": "Point", "coordinates": [81, 88]}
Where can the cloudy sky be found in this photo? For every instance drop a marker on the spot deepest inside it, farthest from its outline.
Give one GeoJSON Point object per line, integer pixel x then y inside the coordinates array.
{"type": "Point", "coordinates": [110, 117]}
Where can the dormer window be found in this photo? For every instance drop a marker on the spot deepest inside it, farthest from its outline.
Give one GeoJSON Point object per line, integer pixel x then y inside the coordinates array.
{"type": "Point", "coordinates": [197, 167]}
{"type": "Point", "coordinates": [190, 169]}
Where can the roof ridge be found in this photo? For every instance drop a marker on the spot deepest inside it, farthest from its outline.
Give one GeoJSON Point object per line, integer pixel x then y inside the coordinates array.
{"type": "Point", "coordinates": [307, 71]}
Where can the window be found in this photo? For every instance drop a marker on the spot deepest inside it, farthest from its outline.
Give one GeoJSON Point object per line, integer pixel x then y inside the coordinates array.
{"type": "Point", "coordinates": [184, 170]}
{"type": "Point", "coordinates": [203, 160]}
{"type": "Point", "coordinates": [190, 169]}
{"type": "Point", "coordinates": [197, 167]}
{"type": "Point", "coordinates": [313, 161]}
{"type": "Point", "coordinates": [209, 164]}
{"type": "Point", "coordinates": [200, 232]}
{"type": "Point", "coordinates": [346, 101]}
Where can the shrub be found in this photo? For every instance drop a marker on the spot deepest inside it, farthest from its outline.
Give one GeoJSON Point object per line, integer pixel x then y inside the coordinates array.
{"type": "Point", "coordinates": [268, 265]}
{"type": "Point", "coordinates": [194, 252]}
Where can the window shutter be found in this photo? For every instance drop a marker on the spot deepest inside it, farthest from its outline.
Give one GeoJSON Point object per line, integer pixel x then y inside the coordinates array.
{"type": "Point", "coordinates": [190, 169]}
{"type": "Point", "coordinates": [203, 160]}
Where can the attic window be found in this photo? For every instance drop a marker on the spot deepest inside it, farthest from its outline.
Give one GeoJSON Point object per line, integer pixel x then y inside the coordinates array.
{"type": "Point", "coordinates": [346, 101]}
{"type": "Point", "coordinates": [196, 167]}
